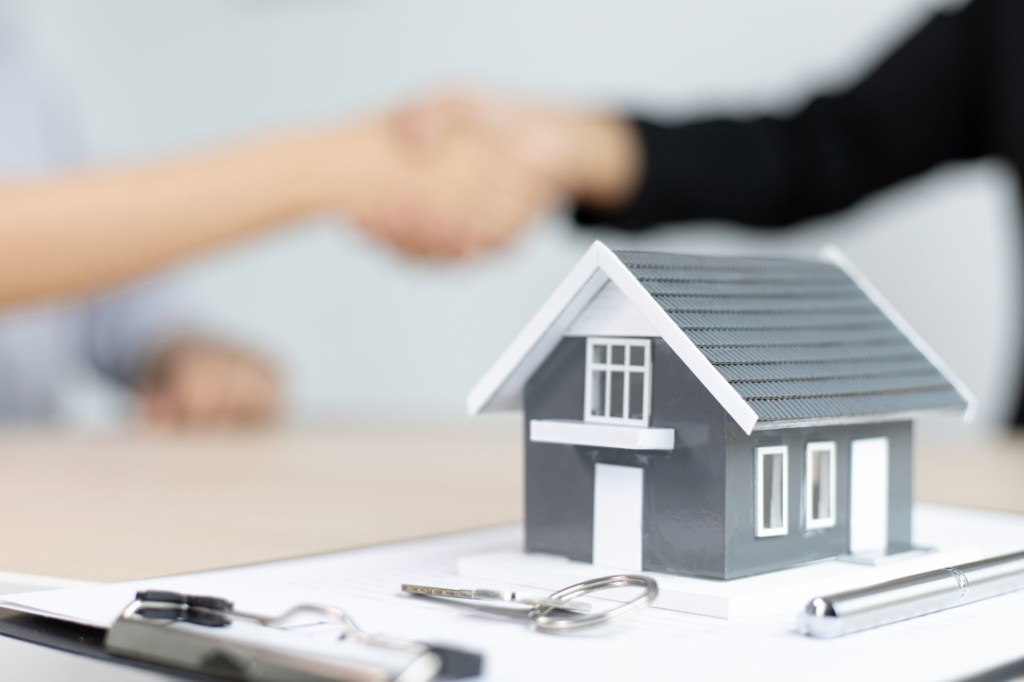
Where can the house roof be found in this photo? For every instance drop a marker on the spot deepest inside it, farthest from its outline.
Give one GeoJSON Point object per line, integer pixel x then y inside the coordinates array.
{"type": "Point", "coordinates": [779, 342]}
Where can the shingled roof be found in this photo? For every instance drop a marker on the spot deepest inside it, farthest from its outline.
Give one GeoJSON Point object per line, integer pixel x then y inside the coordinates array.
{"type": "Point", "coordinates": [778, 342]}
{"type": "Point", "coordinates": [797, 339]}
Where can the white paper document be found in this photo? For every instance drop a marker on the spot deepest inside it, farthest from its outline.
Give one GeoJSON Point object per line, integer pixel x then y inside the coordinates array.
{"type": "Point", "coordinates": [656, 644]}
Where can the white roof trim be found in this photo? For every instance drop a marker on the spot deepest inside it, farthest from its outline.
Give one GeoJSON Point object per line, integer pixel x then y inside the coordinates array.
{"type": "Point", "coordinates": [677, 340]}
{"type": "Point", "coordinates": [501, 388]}
{"type": "Point", "coordinates": [833, 254]}
{"type": "Point", "coordinates": [842, 421]}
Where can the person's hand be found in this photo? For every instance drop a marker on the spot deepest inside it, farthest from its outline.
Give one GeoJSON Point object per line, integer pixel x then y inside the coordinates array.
{"type": "Point", "coordinates": [454, 196]}
{"type": "Point", "coordinates": [594, 158]}
{"type": "Point", "coordinates": [198, 383]}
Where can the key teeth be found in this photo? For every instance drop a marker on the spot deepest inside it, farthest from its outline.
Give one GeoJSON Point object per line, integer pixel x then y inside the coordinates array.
{"type": "Point", "coordinates": [439, 591]}
{"type": "Point", "coordinates": [534, 600]}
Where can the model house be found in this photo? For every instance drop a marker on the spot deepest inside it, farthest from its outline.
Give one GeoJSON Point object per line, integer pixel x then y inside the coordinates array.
{"type": "Point", "coordinates": [717, 416]}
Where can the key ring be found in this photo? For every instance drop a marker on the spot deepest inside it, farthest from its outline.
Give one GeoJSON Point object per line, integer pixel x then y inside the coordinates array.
{"type": "Point", "coordinates": [552, 625]}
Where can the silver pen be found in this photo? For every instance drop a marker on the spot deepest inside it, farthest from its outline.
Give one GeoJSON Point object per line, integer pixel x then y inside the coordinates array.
{"type": "Point", "coordinates": [913, 596]}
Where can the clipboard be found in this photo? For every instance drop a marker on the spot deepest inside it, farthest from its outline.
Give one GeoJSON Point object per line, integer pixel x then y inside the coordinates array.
{"type": "Point", "coordinates": [88, 641]}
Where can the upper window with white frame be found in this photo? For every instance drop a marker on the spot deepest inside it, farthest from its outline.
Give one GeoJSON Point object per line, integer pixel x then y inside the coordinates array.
{"type": "Point", "coordinates": [771, 491]}
{"type": "Point", "coordinates": [820, 485]}
{"type": "Point", "coordinates": [618, 382]}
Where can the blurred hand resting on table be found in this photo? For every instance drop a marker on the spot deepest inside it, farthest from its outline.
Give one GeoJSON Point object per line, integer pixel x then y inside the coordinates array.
{"type": "Point", "coordinates": [199, 383]}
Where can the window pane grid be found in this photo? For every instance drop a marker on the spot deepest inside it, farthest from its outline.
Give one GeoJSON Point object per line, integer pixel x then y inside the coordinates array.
{"type": "Point", "coordinates": [618, 381]}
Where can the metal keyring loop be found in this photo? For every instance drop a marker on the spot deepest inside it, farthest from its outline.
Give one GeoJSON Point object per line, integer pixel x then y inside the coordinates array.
{"type": "Point", "coordinates": [546, 623]}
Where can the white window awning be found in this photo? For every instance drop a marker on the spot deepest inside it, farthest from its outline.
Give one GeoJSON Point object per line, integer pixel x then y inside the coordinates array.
{"type": "Point", "coordinates": [572, 432]}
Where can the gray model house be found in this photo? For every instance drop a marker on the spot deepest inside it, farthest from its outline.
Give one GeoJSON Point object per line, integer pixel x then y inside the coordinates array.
{"type": "Point", "coordinates": [716, 416]}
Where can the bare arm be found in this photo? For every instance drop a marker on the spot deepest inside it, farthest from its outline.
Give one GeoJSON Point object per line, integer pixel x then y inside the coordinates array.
{"type": "Point", "coordinates": [76, 233]}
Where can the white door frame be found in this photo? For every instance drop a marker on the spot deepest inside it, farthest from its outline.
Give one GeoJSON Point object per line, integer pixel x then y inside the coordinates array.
{"type": "Point", "coordinates": [869, 495]}
{"type": "Point", "coordinates": [618, 516]}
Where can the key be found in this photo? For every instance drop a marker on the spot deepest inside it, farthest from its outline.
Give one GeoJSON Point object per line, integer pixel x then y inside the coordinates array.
{"type": "Point", "coordinates": [498, 595]}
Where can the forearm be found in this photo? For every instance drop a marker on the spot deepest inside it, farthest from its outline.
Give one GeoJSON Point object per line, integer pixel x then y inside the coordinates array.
{"type": "Point", "coordinates": [924, 104]}
{"type": "Point", "coordinates": [731, 170]}
{"type": "Point", "coordinates": [606, 166]}
{"type": "Point", "coordinates": [82, 231]}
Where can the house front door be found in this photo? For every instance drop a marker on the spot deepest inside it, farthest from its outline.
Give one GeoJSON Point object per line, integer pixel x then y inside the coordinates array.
{"type": "Point", "coordinates": [869, 496]}
{"type": "Point", "coordinates": [618, 516]}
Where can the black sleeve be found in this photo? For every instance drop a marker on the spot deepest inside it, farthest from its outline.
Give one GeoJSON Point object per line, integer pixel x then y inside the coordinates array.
{"type": "Point", "coordinates": [926, 103]}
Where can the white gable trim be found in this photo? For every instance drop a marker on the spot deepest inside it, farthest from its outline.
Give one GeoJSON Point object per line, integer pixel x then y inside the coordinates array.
{"type": "Point", "coordinates": [677, 340]}
{"type": "Point", "coordinates": [834, 255]}
{"type": "Point", "coordinates": [610, 313]}
{"type": "Point", "coordinates": [501, 388]}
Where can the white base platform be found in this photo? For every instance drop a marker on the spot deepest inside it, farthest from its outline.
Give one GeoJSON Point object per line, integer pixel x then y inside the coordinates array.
{"type": "Point", "coordinates": [791, 587]}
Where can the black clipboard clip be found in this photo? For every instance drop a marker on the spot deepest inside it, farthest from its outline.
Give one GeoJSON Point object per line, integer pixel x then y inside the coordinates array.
{"type": "Point", "coordinates": [208, 635]}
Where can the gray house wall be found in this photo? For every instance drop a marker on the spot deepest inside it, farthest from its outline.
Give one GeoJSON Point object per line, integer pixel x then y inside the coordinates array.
{"type": "Point", "coordinates": [747, 554]}
{"type": "Point", "coordinates": [698, 498]}
{"type": "Point", "coordinates": [684, 490]}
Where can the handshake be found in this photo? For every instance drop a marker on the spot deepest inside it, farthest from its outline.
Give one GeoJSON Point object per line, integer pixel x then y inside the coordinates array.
{"type": "Point", "coordinates": [448, 177]}
{"type": "Point", "coordinates": [460, 174]}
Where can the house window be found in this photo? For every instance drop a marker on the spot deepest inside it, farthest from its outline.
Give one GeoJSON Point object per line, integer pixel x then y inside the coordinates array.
{"type": "Point", "coordinates": [772, 491]}
{"type": "Point", "coordinates": [618, 383]}
{"type": "Point", "coordinates": [820, 485]}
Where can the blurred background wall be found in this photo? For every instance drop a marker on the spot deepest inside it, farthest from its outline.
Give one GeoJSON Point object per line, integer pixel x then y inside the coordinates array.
{"type": "Point", "coordinates": [364, 333]}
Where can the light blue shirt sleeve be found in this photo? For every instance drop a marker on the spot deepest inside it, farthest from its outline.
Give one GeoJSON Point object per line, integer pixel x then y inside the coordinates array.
{"type": "Point", "coordinates": [117, 333]}
{"type": "Point", "coordinates": [123, 331]}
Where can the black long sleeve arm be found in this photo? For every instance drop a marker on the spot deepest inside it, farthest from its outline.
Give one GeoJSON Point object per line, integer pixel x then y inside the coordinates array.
{"type": "Point", "coordinates": [928, 102]}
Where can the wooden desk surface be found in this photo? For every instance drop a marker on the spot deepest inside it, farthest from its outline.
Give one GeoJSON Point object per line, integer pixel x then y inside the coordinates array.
{"type": "Point", "coordinates": [109, 508]}
{"type": "Point", "coordinates": [115, 508]}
